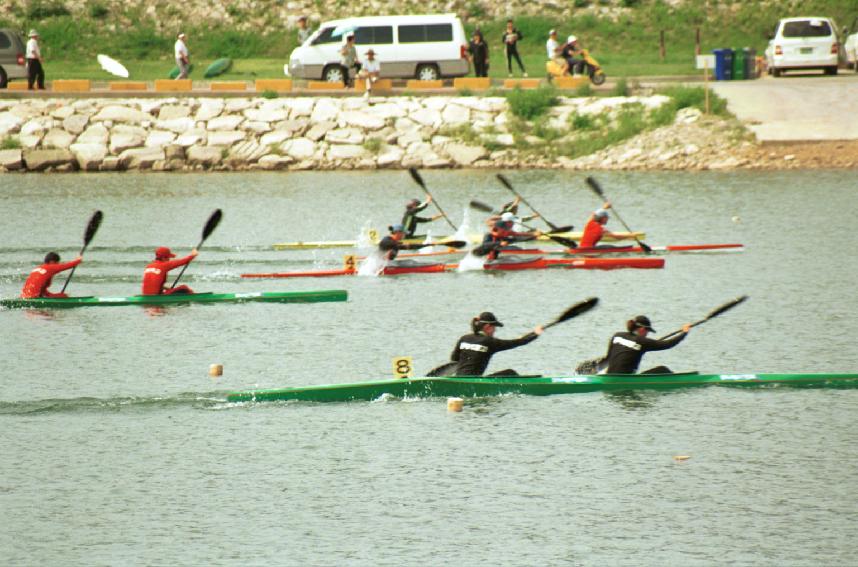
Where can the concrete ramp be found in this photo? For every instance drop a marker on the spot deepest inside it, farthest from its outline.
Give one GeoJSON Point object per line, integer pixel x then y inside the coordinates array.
{"type": "Point", "coordinates": [795, 109]}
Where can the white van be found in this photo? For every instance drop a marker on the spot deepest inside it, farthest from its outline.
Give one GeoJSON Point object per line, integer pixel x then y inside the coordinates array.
{"type": "Point", "coordinates": [803, 43]}
{"type": "Point", "coordinates": [412, 47]}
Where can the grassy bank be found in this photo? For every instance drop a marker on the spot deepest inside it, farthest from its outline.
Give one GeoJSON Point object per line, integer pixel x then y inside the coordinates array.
{"type": "Point", "coordinates": [625, 45]}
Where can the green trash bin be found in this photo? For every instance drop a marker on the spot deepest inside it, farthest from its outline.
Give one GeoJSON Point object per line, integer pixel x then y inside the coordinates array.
{"type": "Point", "coordinates": [739, 64]}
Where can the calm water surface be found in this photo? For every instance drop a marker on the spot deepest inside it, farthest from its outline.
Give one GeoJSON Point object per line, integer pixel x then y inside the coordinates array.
{"type": "Point", "coordinates": [119, 449]}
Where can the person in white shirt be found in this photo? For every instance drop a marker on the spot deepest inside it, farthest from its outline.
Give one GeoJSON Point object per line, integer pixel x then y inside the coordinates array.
{"type": "Point", "coordinates": [35, 72]}
{"type": "Point", "coordinates": [370, 71]}
{"type": "Point", "coordinates": [551, 47]}
{"type": "Point", "coordinates": [183, 58]}
{"type": "Point", "coordinates": [304, 32]}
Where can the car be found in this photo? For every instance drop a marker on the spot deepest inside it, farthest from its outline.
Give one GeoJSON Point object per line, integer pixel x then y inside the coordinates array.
{"type": "Point", "coordinates": [421, 47]}
{"type": "Point", "coordinates": [803, 43]}
{"type": "Point", "coordinates": [850, 46]}
{"type": "Point", "coordinates": [12, 62]}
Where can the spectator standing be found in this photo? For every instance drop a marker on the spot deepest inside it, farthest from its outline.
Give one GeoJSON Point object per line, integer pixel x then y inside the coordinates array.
{"type": "Point", "coordinates": [511, 37]}
{"type": "Point", "coordinates": [348, 58]}
{"type": "Point", "coordinates": [183, 58]}
{"type": "Point", "coordinates": [35, 72]}
{"type": "Point", "coordinates": [370, 71]}
{"type": "Point", "coordinates": [479, 54]}
{"type": "Point", "coordinates": [304, 32]}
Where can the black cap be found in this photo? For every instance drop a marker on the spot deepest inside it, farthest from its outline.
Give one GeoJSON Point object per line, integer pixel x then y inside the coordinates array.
{"type": "Point", "coordinates": [488, 317]}
{"type": "Point", "coordinates": [643, 321]}
{"type": "Point", "coordinates": [412, 203]}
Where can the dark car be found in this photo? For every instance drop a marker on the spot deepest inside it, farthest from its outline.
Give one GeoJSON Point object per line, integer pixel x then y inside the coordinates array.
{"type": "Point", "coordinates": [12, 62]}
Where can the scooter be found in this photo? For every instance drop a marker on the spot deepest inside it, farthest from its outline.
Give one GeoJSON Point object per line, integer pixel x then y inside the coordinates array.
{"type": "Point", "coordinates": [589, 67]}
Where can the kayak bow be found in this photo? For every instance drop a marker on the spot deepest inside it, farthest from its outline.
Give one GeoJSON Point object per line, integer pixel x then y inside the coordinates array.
{"type": "Point", "coordinates": [149, 300]}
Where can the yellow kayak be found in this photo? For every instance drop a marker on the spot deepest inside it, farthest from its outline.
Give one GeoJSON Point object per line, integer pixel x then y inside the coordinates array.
{"type": "Point", "coordinates": [474, 238]}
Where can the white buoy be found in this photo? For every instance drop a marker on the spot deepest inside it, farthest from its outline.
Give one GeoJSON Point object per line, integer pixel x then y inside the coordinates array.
{"type": "Point", "coordinates": [216, 370]}
{"type": "Point", "coordinates": [455, 404]}
{"type": "Point", "coordinates": [680, 458]}
{"type": "Point", "coordinates": [736, 219]}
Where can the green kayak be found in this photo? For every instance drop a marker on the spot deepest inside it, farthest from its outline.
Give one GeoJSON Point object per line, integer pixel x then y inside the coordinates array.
{"type": "Point", "coordinates": [536, 385]}
{"type": "Point", "coordinates": [272, 297]}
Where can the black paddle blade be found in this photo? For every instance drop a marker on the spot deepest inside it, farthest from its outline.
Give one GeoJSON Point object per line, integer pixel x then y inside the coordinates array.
{"type": "Point", "coordinates": [590, 367]}
{"type": "Point", "coordinates": [597, 189]}
{"type": "Point", "coordinates": [727, 306]}
{"type": "Point", "coordinates": [567, 242]}
{"type": "Point", "coordinates": [212, 223]}
{"type": "Point", "coordinates": [415, 175]}
{"type": "Point", "coordinates": [446, 369]}
{"type": "Point", "coordinates": [452, 243]}
{"type": "Point", "coordinates": [92, 227]}
{"type": "Point", "coordinates": [578, 309]}
{"type": "Point", "coordinates": [480, 206]}
{"type": "Point", "coordinates": [505, 181]}
{"type": "Point", "coordinates": [566, 228]}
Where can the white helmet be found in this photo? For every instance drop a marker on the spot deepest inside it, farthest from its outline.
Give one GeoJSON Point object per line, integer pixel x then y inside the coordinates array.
{"type": "Point", "coordinates": [508, 217]}
{"type": "Point", "coordinates": [571, 39]}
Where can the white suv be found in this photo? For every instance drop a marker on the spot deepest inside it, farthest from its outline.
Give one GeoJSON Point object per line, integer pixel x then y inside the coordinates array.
{"type": "Point", "coordinates": [803, 43]}
{"type": "Point", "coordinates": [851, 46]}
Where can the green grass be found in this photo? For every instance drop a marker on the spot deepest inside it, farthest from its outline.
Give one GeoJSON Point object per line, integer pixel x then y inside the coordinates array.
{"type": "Point", "coordinates": [10, 143]}
{"type": "Point", "coordinates": [531, 104]}
{"type": "Point", "coordinates": [159, 68]}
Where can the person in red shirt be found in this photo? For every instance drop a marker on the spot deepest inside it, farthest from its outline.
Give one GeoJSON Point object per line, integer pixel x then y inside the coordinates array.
{"type": "Point", "coordinates": [39, 280]}
{"type": "Point", "coordinates": [595, 229]}
{"type": "Point", "coordinates": [155, 274]}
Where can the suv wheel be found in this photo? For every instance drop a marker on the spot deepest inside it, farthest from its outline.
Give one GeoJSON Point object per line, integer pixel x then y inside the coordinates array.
{"type": "Point", "coordinates": [831, 70]}
{"type": "Point", "coordinates": [4, 79]}
{"type": "Point", "coordinates": [333, 74]}
{"type": "Point", "coordinates": [427, 73]}
{"type": "Point", "coordinates": [776, 72]}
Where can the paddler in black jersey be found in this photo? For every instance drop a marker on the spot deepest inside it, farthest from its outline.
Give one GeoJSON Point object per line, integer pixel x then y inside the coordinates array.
{"type": "Point", "coordinates": [391, 244]}
{"type": "Point", "coordinates": [511, 207]}
{"type": "Point", "coordinates": [474, 351]}
{"type": "Point", "coordinates": [410, 220]}
{"type": "Point", "coordinates": [502, 234]}
{"type": "Point", "coordinates": [626, 349]}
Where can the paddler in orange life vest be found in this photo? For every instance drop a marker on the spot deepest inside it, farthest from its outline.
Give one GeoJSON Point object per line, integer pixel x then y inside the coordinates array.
{"type": "Point", "coordinates": [594, 231]}
{"type": "Point", "coordinates": [39, 280]}
{"type": "Point", "coordinates": [502, 234]}
{"type": "Point", "coordinates": [155, 274]}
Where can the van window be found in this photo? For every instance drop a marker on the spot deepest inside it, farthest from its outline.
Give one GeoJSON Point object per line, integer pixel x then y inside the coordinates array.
{"type": "Point", "coordinates": [807, 28]}
{"type": "Point", "coordinates": [5, 42]}
{"type": "Point", "coordinates": [426, 32]}
{"type": "Point", "coordinates": [374, 35]}
{"type": "Point", "coordinates": [325, 37]}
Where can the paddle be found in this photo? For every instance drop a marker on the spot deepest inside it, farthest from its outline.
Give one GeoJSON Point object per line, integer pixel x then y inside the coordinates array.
{"type": "Point", "coordinates": [211, 224]}
{"type": "Point", "coordinates": [449, 243]}
{"type": "Point", "coordinates": [91, 229]}
{"type": "Point", "coordinates": [595, 365]}
{"type": "Point", "coordinates": [505, 182]}
{"type": "Point", "coordinates": [415, 175]}
{"type": "Point", "coordinates": [578, 309]}
{"type": "Point", "coordinates": [597, 189]}
{"type": "Point", "coordinates": [567, 242]}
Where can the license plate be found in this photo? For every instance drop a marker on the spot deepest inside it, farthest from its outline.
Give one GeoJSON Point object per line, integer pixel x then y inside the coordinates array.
{"type": "Point", "coordinates": [806, 50]}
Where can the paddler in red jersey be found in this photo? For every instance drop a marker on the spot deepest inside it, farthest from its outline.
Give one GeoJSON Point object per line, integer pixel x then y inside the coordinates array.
{"type": "Point", "coordinates": [155, 274]}
{"type": "Point", "coordinates": [594, 231]}
{"type": "Point", "coordinates": [502, 234]}
{"type": "Point", "coordinates": [39, 280]}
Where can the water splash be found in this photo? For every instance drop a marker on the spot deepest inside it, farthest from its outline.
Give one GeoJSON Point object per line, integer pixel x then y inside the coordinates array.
{"type": "Point", "coordinates": [372, 265]}
{"type": "Point", "coordinates": [471, 262]}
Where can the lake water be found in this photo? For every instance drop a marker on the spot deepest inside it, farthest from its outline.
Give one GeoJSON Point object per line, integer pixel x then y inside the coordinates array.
{"type": "Point", "coordinates": [119, 448]}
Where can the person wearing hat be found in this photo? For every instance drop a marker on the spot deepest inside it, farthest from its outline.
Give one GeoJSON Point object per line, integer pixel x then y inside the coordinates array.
{"type": "Point", "coordinates": [348, 58]}
{"type": "Point", "coordinates": [370, 71]}
{"type": "Point", "coordinates": [410, 220]}
{"type": "Point", "coordinates": [183, 57]}
{"type": "Point", "coordinates": [552, 48]}
{"type": "Point", "coordinates": [155, 274]}
{"type": "Point", "coordinates": [39, 280]}
{"type": "Point", "coordinates": [571, 53]}
{"type": "Point", "coordinates": [594, 230]}
{"type": "Point", "coordinates": [304, 32]}
{"type": "Point", "coordinates": [626, 349]}
{"type": "Point", "coordinates": [502, 234]}
{"type": "Point", "coordinates": [35, 71]}
{"type": "Point", "coordinates": [474, 350]}
{"type": "Point", "coordinates": [511, 207]}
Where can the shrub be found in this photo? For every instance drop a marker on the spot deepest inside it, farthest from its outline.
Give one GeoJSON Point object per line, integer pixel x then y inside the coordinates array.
{"type": "Point", "coordinates": [97, 10]}
{"type": "Point", "coordinates": [684, 97]}
{"type": "Point", "coordinates": [44, 9]}
{"type": "Point", "coordinates": [10, 143]}
{"type": "Point", "coordinates": [268, 94]}
{"type": "Point", "coordinates": [532, 103]}
{"type": "Point", "coordinates": [582, 121]}
{"type": "Point", "coordinates": [621, 88]}
{"type": "Point", "coordinates": [584, 90]}
{"type": "Point", "coordinates": [373, 145]}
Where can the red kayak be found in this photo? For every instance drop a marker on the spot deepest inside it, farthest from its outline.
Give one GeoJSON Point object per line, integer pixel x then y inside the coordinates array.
{"type": "Point", "coordinates": [508, 264]}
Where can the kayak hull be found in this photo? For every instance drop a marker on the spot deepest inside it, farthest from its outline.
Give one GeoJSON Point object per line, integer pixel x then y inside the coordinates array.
{"type": "Point", "coordinates": [658, 250]}
{"type": "Point", "coordinates": [149, 300]}
{"type": "Point", "coordinates": [646, 263]}
{"type": "Point", "coordinates": [467, 387]}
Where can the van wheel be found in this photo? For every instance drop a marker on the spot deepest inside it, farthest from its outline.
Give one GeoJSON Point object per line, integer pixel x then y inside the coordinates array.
{"type": "Point", "coordinates": [776, 72]}
{"type": "Point", "coordinates": [4, 79]}
{"type": "Point", "coordinates": [831, 70]}
{"type": "Point", "coordinates": [427, 73]}
{"type": "Point", "coordinates": [333, 74]}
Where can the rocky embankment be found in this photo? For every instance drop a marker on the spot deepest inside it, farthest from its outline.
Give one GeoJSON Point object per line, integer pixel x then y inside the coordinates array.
{"type": "Point", "coordinates": [193, 134]}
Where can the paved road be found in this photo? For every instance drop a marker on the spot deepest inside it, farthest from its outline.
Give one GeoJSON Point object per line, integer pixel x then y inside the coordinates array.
{"type": "Point", "coordinates": [796, 108]}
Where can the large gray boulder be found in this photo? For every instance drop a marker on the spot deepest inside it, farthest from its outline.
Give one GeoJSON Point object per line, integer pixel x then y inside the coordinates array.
{"type": "Point", "coordinates": [11, 159]}
{"type": "Point", "coordinates": [89, 156]}
{"type": "Point", "coordinates": [204, 155]}
{"type": "Point", "coordinates": [40, 160]}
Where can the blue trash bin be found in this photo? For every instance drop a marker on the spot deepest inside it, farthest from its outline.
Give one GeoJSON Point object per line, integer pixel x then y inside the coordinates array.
{"type": "Point", "coordinates": [723, 64]}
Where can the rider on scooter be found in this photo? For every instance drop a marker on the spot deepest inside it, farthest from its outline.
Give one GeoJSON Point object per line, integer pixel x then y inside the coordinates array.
{"type": "Point", "coordinates": [571, 52]}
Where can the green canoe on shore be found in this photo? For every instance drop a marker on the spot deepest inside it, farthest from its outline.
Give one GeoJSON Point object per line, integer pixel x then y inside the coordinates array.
{"type": "Point", "coordinates": [271, 297]}
{"type": "Point", "coordinates": [466, 387]}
